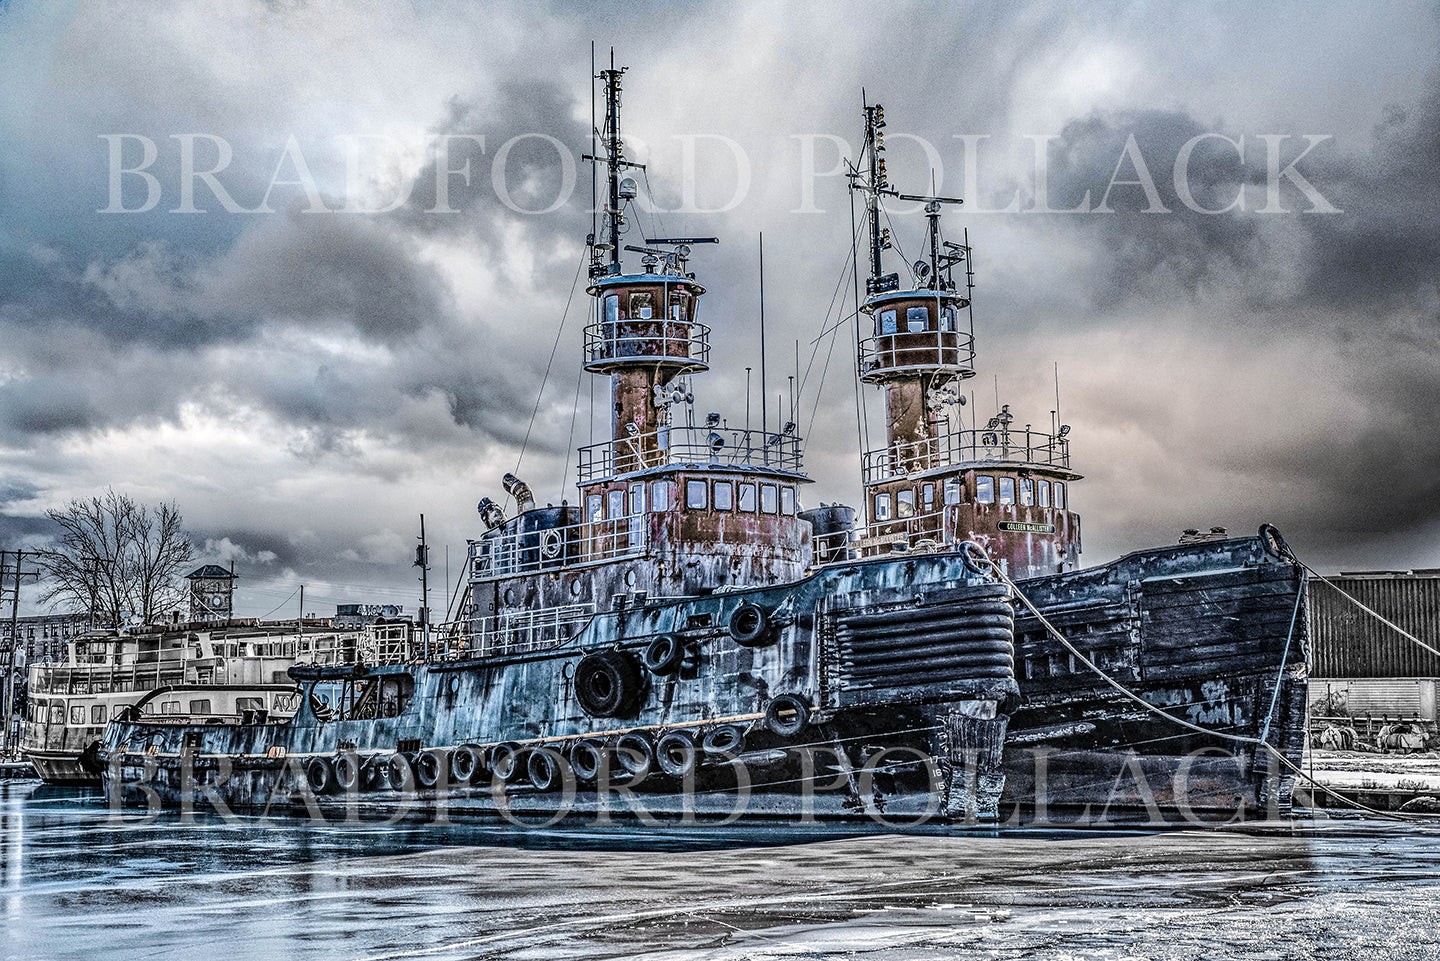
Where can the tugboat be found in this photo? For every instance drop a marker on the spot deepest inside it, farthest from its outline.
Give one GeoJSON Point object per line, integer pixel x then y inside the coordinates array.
{"type": "Point", "coordinates": [685, 642]}
{"type": "Point", "coordinates": [1192, 705]}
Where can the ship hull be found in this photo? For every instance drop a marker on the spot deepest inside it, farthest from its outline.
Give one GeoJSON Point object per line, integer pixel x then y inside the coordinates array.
{"type": "Point", "coordinates": [1212, 634]}
{"type": "Point", "coordinates": [802, 716]}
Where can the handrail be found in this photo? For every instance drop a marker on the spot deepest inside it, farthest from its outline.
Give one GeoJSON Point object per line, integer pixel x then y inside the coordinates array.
{"type": "Point", "coordinates": [671, 340]}
{"type": "Point", "coordinates": [957, 448]}
{"type": "Point", "coordinates": [685, 445]}
{"type": "Point", "coordinates": [916, 350]}
{"type": "Point", "coordinates": [514, 632]}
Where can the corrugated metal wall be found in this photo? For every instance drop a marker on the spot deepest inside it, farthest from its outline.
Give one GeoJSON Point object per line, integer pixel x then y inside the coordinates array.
{"type": "Point", "coordinates": [1347, 642]}
{"type": "Point", "coordinates": [1382, 697]}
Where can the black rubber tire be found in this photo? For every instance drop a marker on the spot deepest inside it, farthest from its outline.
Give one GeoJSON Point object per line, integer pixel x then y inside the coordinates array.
{"type": "Point", "coordinates": [975, 560]}
{"type": "Point", "coordinates": [586, 758]}
{"type": "Point", "coordinates": [664, 655]}
{"type": "Point", "coordinates": [634, 754]}
{"type": "Point", "coordinates": [320, 775]}
{"type": "Point", "coordinates": [466, 764]}
{"type": "Point", "coordinates": [400, 772]}
{"type": "Point", "coordinates": [505, 761]}
{"type": "Point", "coordinates": [609, 684]}
{"type": "Point", "coordinates": [787, 715]}
{"type": "Point", "coordinates": [428, 767]}
{"type": "Point", "coordinates": [723, 739]}
{"type": "Point", "coordinates": [676, 754]}
{"type": "Point", "coordinates": [349, 771]}
{"type": "Point", "coordinates": [543, 768]}
{"type": "Point", "coordinates": [372, 774]}
{"type": "Point", "coordinates": [749, 625]}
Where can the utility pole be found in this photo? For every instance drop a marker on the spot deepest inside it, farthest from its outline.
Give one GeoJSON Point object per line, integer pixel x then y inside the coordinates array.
{"type": "Point", "coordinates": [6, 743]}
{"type": "Point", "coordinates": [422, 561]}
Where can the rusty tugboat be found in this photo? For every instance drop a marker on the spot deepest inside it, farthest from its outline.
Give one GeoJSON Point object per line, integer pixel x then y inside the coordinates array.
{"type": "Point", "coordinates": [687, 642]}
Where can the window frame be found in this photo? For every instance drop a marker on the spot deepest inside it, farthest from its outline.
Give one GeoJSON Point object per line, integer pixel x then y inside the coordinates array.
{"type": "Point", "coordinates": [1002, 483]}
{"type": "Point", "coordinates": [881, 506]}
{"type": "Point", "coordinates": [692, 485]}
{"type": "Point", "coordinates": [910, 315]}
{"type": "Point", "coordinates": [984, 489]}
{"type": "Point", "coordinates": [770, 493]}
{"type": "Point", "coordinates": [747, 491]}
{"type": "Point", "coordinates": [729, 495]}
{"type": "Point", "coordinates": [1025, 492]}
{"type": "Point", "coordinates": [904, 504]}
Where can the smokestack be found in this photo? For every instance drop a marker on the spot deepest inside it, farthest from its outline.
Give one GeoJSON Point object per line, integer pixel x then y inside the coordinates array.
{"type": "Point", "coordinates": [518, 489]}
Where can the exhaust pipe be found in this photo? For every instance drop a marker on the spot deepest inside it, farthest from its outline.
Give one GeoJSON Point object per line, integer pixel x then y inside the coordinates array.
{"type": "Point", "coordinates": [518, 489]}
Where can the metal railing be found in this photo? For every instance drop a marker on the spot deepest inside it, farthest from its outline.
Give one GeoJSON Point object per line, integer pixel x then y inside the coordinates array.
{"type": "Point", "coordinates": [878, 536]}
{"type": "Point", "coordinates": [690, 446]}
{"type": "Point", "coordinates": [958, 448]}
{"type": "Point", "coordinates": [518, 632]}
{"type": "Point", "coordinates": [917, 350]}
{"type": "Point", "coordinates": [550, 548]}
{"type": "Point", "coordinates": [675, 341]}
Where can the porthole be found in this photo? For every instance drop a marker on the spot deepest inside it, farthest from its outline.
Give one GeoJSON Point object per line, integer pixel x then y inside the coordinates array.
{"type": "Point", "coordinates": [509, 595]}
{"type": "Point", "coordinates": [575, 587]}
{"type": "Point", "coordinates": [630, 579]}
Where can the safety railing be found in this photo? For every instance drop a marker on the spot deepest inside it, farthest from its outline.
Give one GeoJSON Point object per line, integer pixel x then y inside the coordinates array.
{"type": "Point", "coordinates": [674, 342]}
{"type": "Point", "coordinates": [917, 351]}
{"type": "Point", "coordinates": [914, 532]}
{"type": "Point", "coordinates": [518, 632]}
{"type": "Point", "coordinates": [691, 446]}
{"type": "Point", "coordinates": [959, 448]}
{"type": "Point", "coordinates": [508, 552]}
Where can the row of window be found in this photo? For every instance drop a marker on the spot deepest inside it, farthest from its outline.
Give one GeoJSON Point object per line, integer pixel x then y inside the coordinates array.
{"type": "Point", "coordinates": [1025, 491]}
{"type": "Point", "coordinates": [917, 320]}
{"type": "Point", "coordinates": [641, 306]}
{"type": "Point", "coordinates": [96, 712]}
{"type": "Point", "coordinates": [721, 495]}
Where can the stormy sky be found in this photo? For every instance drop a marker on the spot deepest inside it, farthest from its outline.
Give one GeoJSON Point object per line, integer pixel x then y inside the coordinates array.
{"type": "Point", "coordinates": [1221, 221]}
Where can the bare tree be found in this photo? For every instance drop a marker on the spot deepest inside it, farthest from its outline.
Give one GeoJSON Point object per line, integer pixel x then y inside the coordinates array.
{"type": "Point", "coordinates": [116, 558]}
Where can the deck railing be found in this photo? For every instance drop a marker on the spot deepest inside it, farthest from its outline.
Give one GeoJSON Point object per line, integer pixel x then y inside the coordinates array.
{"type": "Point", "coordinates": [518, 632]}
{"type": "Point", "coordinates": [691, 446]}
{"type": "Point", "coordinates": [958, 448]}
{"type": "Point", "coordinates": [676, 342]}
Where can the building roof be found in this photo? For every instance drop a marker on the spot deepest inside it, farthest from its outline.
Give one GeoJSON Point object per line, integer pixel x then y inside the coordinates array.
{"type": "Point", "coordinates": [209, 570]}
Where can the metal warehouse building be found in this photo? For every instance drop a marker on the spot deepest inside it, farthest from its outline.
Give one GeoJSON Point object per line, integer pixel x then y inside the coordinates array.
{"type": "Point", "coordinates": [1360, 663]}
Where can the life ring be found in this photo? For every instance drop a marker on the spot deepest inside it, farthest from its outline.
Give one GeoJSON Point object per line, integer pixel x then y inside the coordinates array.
{"type": "Point", "coordinates": [586, 759]}
{"type": "Point", "coordinates": [319, 775]}
{"type": "Point", "coordinates": [608, 684]}
{"type": "Point", "coordinates": [787, 715]}
{"type": "Point", "coordinates": [634, 754]}
{"type": "Point", "coordinates": [542, 765]}
{"type": "Point", "coordinates": [975, 560]}
{"type": "Point", "coordinates": [550, 544]}
{"type": "Point", "coordinates": [723, 739]}
{"type": "Point", "coordinates": [664, 655]}
{"type": "Point", "coordinates": [749, 625]}
{"type": "Point", "coordinates": [428, 768]}
{"type": "Point", "coordinates": [400, 773]}
{"type": "Point", "coordinates": [465, 763]}
{"type": "Point", "coordinates": [676, 754]}
{"type": "Point", "coordinates": [348, 771]}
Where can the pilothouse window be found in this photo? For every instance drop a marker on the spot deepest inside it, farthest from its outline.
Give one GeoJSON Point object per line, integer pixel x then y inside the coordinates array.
{"type": "Point", "coordinates": [787, 501]}
{"type": "Point", "coordinates": [1059, 496]}
{"type": "Point", "coordinates": [916, 319]}
{"type": "Point", "coordinates": [905, 504]}
{"type": "Point", "coordinates": [747, 497]}
{"type": "Point", "coordinates": [769, 499]}
{"type": "Point", "coordinates": [724, 496]}
{"type": "Point", "coordinates": [1027, 492]}
{"type": "Point", "coordinates": [887, 322]}
{"type": "Point", "coordinates": [1007, 490]}
{"type": "Point", "coordinates": [882, 507]}
{"type": "Point", "coordinates": [612, 308]}
{"type": "Point", "coordinates": [1043, 489]}
{"type": "Point", "coordinates": [695, 494]}
{"type": "Point", "coordinates": [642, 306]}
{"type": "Point", "coordinates": [984, 489]}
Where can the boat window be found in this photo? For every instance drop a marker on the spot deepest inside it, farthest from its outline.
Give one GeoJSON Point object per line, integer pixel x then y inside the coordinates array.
{"type": "Point", "coordinates": [642, 305]}
{"type": "Point", "coordinates": [724, 496]}
{"type": "Point", "coordinates": [169, 707]}
{"type": "Point", "coordinates": [637, 499]}
{"type": "Point", "coordinates": [887, 322]}
{"type": "Point", "coordinates": [249, 703]}
{"type": "Point", "coordinates": [201, 706]}
{"type": "Point", "coordinates": [77, 714]}
{"type": "Point", "coordinates": [120, 709]}
{"type": "Point", "coordinates": [677, 309]}
{"type": "Point", "coordinates": [1059, 496]}
{"type": "Point", "coordinates": [747, 497]}
{"type": "Point", "coordinates": [787, 501]}
{"type": "Point", "coordinates": [615, 507]}
{"type": "Point", "coordinates": [660, 496]}
{"type": "Point", "coordinates": [612, 308]}
{"type": "Point", "coordinates": [1007, 490]}
{"type": "Point", "coordinates": [927, 496]}
{"type": "Point", "coordinates": [592, 507]}
{"type": "Point", "coordinates": [905, 504]}
{"type": "Point", "coordinates": [984, 489]}
{"type": "Point", "coordinates": [952, 492]}
{"type": "Point", "coordinates": [916, 319]}
{"type": "Point", "coordinates": [695, 494]}
{"type": "Point", "coordinates": [1027, 492]}
{"type": "Point", "coordinates": [97, 714]}
{"type": "Point", "coordinates": [1043, 489]}
{"type": "Point", "coordinates": [57, 712]}
{"type": "Point", "coordinates": [769, 499]}
{"type": "Point", "coordinates": [882, 507]}
{"type": "Point", "coordinates": [947, 320]}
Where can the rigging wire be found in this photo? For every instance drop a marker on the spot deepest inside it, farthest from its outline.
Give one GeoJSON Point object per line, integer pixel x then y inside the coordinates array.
{"type": "Point", "coordinates": [534, 412]}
